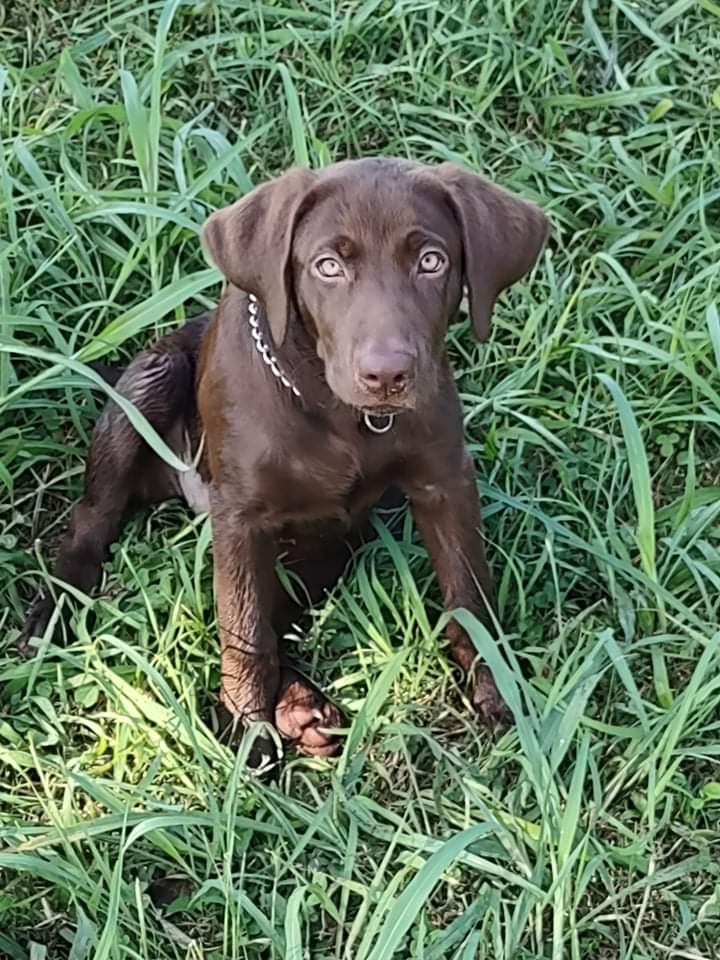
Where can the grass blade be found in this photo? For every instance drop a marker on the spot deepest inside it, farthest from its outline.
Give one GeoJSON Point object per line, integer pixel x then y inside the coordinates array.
{"type": "Point", "coordinates": [301, 157]}
{"type": "Point", "coordinates": [411, 901]}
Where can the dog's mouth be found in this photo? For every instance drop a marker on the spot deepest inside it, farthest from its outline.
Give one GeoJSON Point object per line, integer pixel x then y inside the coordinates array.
{"type": "Point", "coordinates": [383, 409]}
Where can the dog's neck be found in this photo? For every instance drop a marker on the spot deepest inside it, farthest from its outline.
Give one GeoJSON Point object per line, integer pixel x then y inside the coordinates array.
{"type": "Point", "coordinates": [294, 363]}
{"type": "Point", "coordinates": [297, 366]}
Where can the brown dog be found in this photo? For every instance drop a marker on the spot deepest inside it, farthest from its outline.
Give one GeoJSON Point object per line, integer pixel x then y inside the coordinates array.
{"type": "Point", "coordinates": [319, 383]}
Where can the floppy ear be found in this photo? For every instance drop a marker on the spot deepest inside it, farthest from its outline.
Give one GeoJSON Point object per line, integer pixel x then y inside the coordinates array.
{"type": "Point", "coordinates": [502, 237]}
{"type": "Point", "coordinates": [251, 242]}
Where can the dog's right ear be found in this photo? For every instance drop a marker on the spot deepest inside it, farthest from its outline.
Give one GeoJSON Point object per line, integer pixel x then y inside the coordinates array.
{"type": "Point", "coordinates": [502, 236]}
{"type": "Point", "coordinates": [251, 242]}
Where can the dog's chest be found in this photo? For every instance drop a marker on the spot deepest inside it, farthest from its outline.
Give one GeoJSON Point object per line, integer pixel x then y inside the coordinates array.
{"type": "Point", "coordinates": [302, 487]}
{"type": "Point", "coordinates": [317, 476]}
{"type": "Point", "coordinates": [325, 477]}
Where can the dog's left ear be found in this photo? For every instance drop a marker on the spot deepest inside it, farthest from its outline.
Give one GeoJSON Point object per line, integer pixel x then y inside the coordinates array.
{"type": "Point", "coordinates": [251, 242]}
{"type": "Point", "coordinates": [502, 237]}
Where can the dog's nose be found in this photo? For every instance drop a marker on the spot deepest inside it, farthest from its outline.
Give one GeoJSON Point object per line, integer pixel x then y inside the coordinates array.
{"type": "Point", "coordinates": [386, 372]}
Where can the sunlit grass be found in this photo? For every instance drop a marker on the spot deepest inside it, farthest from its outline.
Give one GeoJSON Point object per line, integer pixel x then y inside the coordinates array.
{"type": "Point", "coordinates": [590, 829]}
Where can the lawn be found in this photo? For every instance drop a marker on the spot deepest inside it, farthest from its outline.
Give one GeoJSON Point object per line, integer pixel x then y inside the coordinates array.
{"type": "Point", "coordinates": [591, 829]}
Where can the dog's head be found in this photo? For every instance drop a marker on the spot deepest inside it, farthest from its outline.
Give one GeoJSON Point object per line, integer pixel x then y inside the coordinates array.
{"type": "Point", "coordinates": [371, 256]}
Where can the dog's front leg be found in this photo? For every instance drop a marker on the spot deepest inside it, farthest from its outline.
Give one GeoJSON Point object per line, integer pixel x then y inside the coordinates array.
{"type": "Point", "coordinates": [446, 509]}
{"type": "Point", "coordinates": [244, 570]}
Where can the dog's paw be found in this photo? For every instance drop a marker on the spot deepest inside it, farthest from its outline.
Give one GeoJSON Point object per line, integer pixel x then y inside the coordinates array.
{"type": "Point", "coordinates": [304, 716]}
{"type": "Point", "coordinates": [263, 756]}
{"type": "Point", "coordinates": [231, 729]}
{"type": "Point", "coordinates": [488, 703]}
{"type": "Point", "coordinates": [35, 625]}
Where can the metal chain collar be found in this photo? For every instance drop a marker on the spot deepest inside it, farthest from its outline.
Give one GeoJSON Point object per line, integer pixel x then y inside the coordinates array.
{"type": "Point", "coordinates": [374, 424]}
{"type": "Point", "coordinates": [263, 349]}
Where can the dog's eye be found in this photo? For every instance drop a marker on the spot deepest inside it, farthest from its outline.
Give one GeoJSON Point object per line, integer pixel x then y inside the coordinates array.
{"type": "Point", "coordinates": [329, 267]}
{"type": "Point", "coordinates": [431, 262]}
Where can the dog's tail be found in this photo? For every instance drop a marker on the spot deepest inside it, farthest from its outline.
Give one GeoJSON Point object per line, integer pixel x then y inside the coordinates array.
{"type": "Point", "coordinates": [110, 375]}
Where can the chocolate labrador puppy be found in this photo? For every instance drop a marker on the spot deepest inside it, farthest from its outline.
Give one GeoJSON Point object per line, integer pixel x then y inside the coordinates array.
{"type": "Point", "coordinates": [319, 383]}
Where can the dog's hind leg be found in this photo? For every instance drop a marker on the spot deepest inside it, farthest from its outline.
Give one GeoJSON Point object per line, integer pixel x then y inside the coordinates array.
{"type": "Point", "coordinates": [122, 475]}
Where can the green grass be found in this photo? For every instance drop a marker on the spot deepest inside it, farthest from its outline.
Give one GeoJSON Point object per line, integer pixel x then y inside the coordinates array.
{"type": "Point", "coordinates": [589, 830]}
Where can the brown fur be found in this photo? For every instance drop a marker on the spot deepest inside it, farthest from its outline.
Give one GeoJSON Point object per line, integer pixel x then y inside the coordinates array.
{"type": "Point", "coordinates": [305, 471]}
